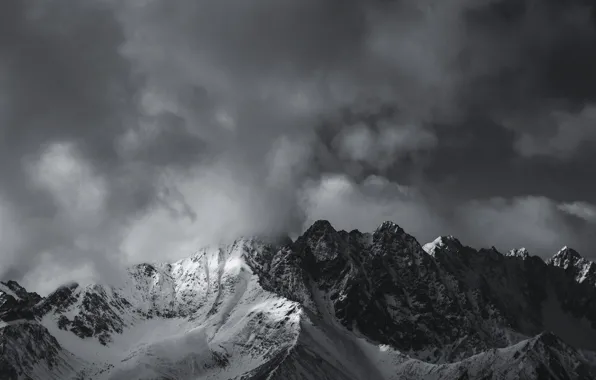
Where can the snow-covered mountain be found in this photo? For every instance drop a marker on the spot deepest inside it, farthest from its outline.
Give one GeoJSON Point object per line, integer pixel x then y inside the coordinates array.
{"type": "Point", "coordinates": [332, 305]}
{"type": "Point", "coordinates": [581, 269]}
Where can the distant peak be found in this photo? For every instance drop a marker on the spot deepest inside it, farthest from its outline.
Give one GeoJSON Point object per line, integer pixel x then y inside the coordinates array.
{"type": "Point", "coordinates": [447, 242]}
{"type": "Point", "coordinates": [567, 253]}
{"type": "Point", "coordinates": [318, 230]}
{"type": "Point", "coordinates": [519, 252]}
{"type": "Point", "coordinates": [322, 241]}
{"type": "Point", "coordinates": [389, 226]}
{"type": "Point", "coordinates": [565, 258]}
{"type": "Point", "coordinates": [14, 286]}
{"type": "Point", "coordinates": [320, 226]}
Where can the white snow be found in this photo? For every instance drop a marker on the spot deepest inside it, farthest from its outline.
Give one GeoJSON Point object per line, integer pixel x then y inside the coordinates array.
{"type": "Point", "coordinates": [448, 242]}
{"type": "Point", "coordinates": [586, 270]}
{"type": "Point", "coordinates": [225, 312]}
{"type": "Point", "coordinates": [5, 289]}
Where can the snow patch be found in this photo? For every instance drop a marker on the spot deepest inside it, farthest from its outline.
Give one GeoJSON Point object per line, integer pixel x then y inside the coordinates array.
{"type": "Point", "coordinates": [6, 290]}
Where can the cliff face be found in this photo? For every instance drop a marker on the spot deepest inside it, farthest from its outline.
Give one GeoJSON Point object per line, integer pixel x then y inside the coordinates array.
{"type": "Point", "coordinates": [331, 305]}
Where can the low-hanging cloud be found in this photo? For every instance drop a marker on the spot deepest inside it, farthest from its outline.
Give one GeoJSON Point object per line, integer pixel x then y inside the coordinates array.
{"type": "Point", "coordinates": [534, 222]}
{"type": "Point", "coordinates": [582, 210]}
{"type": "Point", "coordinates": [349, 205]}
{"type": "Point", "coordinates": [139, 130]}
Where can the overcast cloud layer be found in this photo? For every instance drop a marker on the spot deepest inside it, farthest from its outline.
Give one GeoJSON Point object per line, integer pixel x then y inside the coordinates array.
{"type": "Point", "coordinates": [138, 131]}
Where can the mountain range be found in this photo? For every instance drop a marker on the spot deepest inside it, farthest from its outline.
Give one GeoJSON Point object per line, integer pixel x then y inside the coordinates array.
{"type": "Point", "coordinates": [331, 305]}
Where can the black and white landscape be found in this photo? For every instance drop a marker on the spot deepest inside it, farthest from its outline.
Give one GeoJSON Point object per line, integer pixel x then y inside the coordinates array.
{"type": "Point", "coordinates": [138, 131]}
{"type": "Point", "coordinates": [332, 305]}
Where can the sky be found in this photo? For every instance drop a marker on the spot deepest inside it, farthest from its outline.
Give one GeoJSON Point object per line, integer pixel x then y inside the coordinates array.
{"type": "Point", "coordinates": [134, 131]}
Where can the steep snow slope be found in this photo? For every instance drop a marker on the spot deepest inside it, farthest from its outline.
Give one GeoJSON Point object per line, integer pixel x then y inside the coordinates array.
{"type": "Point", "coordinates": [332, 305]}
{"type": "Point", "coordinates": [203, 316]}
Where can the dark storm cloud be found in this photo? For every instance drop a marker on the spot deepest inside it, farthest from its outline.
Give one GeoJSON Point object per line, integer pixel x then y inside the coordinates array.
{"type": "Point", "coordinates": [69, 95]}
{"type": "Point", "coordinates": [61, 81]}
{"type": "Point", "coordinates": [529, 126]}
{"type": "Point", "coordinates": [62, 77]}
{"type": "Point", "coordinates": [541, 76]}
{"type": "Point", "coordinates": [138, 130]}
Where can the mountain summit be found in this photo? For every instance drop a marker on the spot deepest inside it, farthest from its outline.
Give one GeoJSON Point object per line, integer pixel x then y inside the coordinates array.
{"type": "Point", "coordinates": [331, 305]}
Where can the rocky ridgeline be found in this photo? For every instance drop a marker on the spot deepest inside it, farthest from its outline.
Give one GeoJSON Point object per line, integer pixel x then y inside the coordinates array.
{"type": "Point", "coordinates": [442, 309]}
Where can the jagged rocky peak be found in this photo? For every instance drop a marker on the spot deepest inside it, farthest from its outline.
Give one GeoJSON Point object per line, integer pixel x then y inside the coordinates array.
{"type": "Point", "coordinates": [19, 293]}
{"type": "Point", "coordinates": [519, 252]}
{"type": "Point", "coordinates": [15, 288]}
{"type": "Point", "coordinates": [581, 269]}
{"type": "Point", "coordinates": [321, 226]}
{"type": "Point", "coordinates": [389, 227]}
{"type": "Point", "coordinates": [491, 253]}
{"type": "Point", "coordinates": [67, 288]}
{"type": "Point", "coordinates": [323, 230]}
{"type": "Point", "coordinates": [446, 243]}
{"type": "Point", "coordinates": [390, 240]}
{"type": "Point", "coordinates": [7, 291]}
{"type": "Point", "coordinates": [16, 302]}
{"type": "Point", "coordinates": [318, 230]}
{"type": "Point", "coordinates": [12, 293]}
{"type": "Point", "coordinates": [322, 240]}
{"type": "Point", "coordinates": [60, 298]}
{"type": "Point", "coordinates": [390, 232]}
{"type": "Point", "coordinates": [566, 257]}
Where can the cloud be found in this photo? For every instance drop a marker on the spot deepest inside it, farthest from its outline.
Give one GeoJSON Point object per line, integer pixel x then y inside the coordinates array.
{"type": "Point", "coordinates": [572, 132]}
{"type": "Point", "coordinates": [78, 236]}
{"type": "Point", "coordinates": [206, 120]}
{"type": "Point", "coordinates": [583, 210]}
{"type": "Point", "coordinates": [349, 205]}
{"type": "Point", "coordinates": [384, 147]}
{"type": "Point", "coordinates": [48, 275]}
{"type": "Point", "coordinates": [533, 222]}
{"type": "Point", "coordinates": [218, 203]}
{"type": "Point", "coordinates": [79, 192]}
{"type": "Point", "coordinates": [10, 235]}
